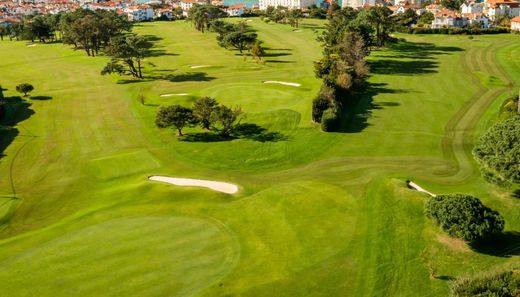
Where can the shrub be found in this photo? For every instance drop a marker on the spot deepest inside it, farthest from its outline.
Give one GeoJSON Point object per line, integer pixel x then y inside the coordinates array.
{"type": "Point", "coordinates": [24, 88]}
{"type": "Point", "coordinates": [330, 120]}
{"type": "Point", "coordinates": [322, 102]}
{"type": "Point", "coordinates": [464, 216]}
{"type": "Point", "coordinates": [498, 152]}
{"type": "Point", "coordinates": [500, 283]}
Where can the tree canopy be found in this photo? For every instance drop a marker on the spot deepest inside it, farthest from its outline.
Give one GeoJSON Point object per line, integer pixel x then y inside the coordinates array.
{"type": "Point", "coordinates": [127, 54]}
{"type": "Point", "coordinates": [464, 216]}
{"type": "Point", "coordinates": [175, 116]}
{"type": "Point", "coordinates": [24, 88]}
{"type": "Point", "coordinates": [498, 152]}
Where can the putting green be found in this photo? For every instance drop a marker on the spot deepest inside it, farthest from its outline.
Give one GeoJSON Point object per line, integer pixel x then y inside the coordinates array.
{"type": "Point", "coordinates": [152, 256]}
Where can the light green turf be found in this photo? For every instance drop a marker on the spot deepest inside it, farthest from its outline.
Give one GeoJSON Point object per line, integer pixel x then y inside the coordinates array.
{"type": "Point", "coordinates": [317, 214]}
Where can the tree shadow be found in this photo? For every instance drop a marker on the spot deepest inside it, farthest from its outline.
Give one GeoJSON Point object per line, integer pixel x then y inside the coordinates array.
{"type": "Point", "coordinates": [188, 76]}
{"type": "Point", "coordinates": [278, 61]}
{"type": "Point", "coordinates": [445, 277]}
{"type": "Point", "coordinates": [243, 131]}
{"type": "Point", "coordinates": [258, 133]}
{"type": "Point", "coordinates": [41, 97]}
{"type": "Point", "coordinates": [205, 137]}
{"type": "Point", "coordinates": [421, 55]}
{"type": "Point", "coordinates": [15, 110]}
{"type": "Point", "coordinates": [168, 75]}
{"type": "Point", "coordinates": [506, 245]}
{"type": "Point", "coordinates": [516, 194]}
{"type": "Point", "coordinates": [399, 67]}
{"type": "Point", "coordinates": [152, 50]}
{"type": "Point", "coordinates": [357, 112]}
{"type": "Point", "coordinates": [420, 50]}
{"type": "Point", "coordinates": [276, 54]}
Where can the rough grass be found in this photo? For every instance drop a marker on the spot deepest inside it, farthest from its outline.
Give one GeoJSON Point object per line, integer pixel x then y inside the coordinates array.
{"type": "Point", "coordinates": [320, 214]}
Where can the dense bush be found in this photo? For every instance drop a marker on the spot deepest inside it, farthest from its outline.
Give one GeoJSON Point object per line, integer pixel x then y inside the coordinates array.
{"type": "Point", "coordinates": [502, 283]}
{"type": "Point", "coordinates": [330, 120]}
{"type": "Point", "coordinates": [322, 102]}
{"type": "Point", "coordinates": [464, 216]}
{"type": "Point", "coordinates": [498, 152]}
{"type": "Point", "coordinates": [454, 31]}
{"type": "Point", "coordinates": [509, 108]}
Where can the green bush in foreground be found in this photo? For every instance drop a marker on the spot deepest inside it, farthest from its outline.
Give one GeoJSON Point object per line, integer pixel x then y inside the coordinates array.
{"type": "Point", "coordinates": [498, 152]}
{"type": "Point", "coordinates": [330, 120]}
{"type": "Point", "coordinates": [464, 216]}
{"type": "Point", "coordinates": [503, 283]}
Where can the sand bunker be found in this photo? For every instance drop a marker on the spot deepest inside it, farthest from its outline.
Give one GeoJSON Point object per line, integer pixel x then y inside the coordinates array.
{"type": "Point", "coordinates": [189, 182]}
{"type": "Point", "coordinates": [200, 66]}
{"type": "Point", "coordinates": [178, 94]}
{"type": "Point", "coordinates": [416, 187]}
{"type": "Point", "coordinates": [296, 30]}
{"type": "Point", "coordinates": [29, 45]}
{"type": "Point", "coordinates": [282, 83]}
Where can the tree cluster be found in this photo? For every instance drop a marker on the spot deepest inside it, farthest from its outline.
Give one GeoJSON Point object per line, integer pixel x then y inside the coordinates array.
{"type": "Point", "coordinates": [206, 112]}
{"type": "Point", "coordinates": [284, 15]}
{"type": "Point", "coordinates": [34, 27]}
{"type": "Point", "coordinates": [201, 16]}
{"type": "Point", "coordinates": [92, 30]}
{"type": "Point", "coordinates": [498, 152]}
{"type": "Point", "coordinates": [127, 53]}
{"type": "Point", "coordinates": [500, 282]}
{"type": "Point", "coordinates": [238, 36]}
{"type": "Point", "coordinates": [342, 67]}
{"type": "Point", "coordinates": [464, 216]}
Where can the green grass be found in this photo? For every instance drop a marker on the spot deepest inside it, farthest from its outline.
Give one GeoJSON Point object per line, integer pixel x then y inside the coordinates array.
{"type": "Point", "coordinates": [318, 214]}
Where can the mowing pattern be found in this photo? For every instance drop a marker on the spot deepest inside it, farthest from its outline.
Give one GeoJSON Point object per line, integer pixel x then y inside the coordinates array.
{"type": "Point", "coordinates": [148, 256]}
{"type": "Point", "coordinates": [317, 214]}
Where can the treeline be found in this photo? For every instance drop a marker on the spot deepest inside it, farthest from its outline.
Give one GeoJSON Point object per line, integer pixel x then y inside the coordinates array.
{"type": "Point", "coordinates": [230, 36]}
{"type": "Point", "coordinates": [83, 28]}
{"type": "Point", "coordinates": [347, 40]}
{"type": "Point", "coordinates": [94, 31]}
{"type": "Point", "coordinates": [282, 14]}
{"type": "Point", "coordinates": [455, 31]}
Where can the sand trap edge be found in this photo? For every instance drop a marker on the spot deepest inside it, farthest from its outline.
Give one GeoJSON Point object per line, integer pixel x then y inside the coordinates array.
{"type": "Point", "coordinates": [282, 83]}
{"type": "Point", "coordinates": [190, 182]}
{"type": "Point", "coordinates": [170, 95]}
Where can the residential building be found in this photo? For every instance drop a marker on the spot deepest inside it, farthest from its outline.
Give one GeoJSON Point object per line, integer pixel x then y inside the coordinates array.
{"type": "Point", "coordinates": [515, 24]}
{"type": "Point", "coordinates": [478, 18]}
{"type": "Point", "coordinates": [472, 7]}
{"type": "Point", "coordinates": [236, 10]}
{"type": "Point", "coordinates": [139, 13]}
{"type": "Point", "coordinates": [447, 18]}
{"type": "Point", "coordinates": [358, 3]}
{"type": "Point", "coordinates": [494, 8]}
{"type": "Point", "coordinates": [291, 4]}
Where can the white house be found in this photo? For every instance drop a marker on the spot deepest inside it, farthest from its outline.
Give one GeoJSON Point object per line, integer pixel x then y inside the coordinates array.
{"type": "Point", "coordinates": [515, 24]}
{"type": "Point", "coordinates": [236, 10]}
{"type": "Point", "coordinates": [187, 4]}
{"type": "Point", "coordinates": [358, 3]}
{"type": "Point", "coordinates": [291, 4]}
{"type": "Point", "coordinates": [494, 8]}
{"type": "Point", "coordinates": [478, 18]}
{"type": "Point", "coordinates": [472, 7]}
{"type": "Point", "coordinates": [139, 13]}
{"type": "Point", "coordinates": [164, 13]}
{"type": "Point", "coordinates": [448, 19]}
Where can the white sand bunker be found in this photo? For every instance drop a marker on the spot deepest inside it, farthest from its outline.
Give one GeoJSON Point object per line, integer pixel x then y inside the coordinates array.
{"type": "Point", "coordinates": [32, 44]}
{"type": "Point", "coordinates": [200, 66]}
{"type": "Point", "coordinates": [416, 187]}
{"type": "Point", "coordinates": [189, 182]}
{"type": "Point", "coordinates": [178, 94]}
{"type": "Point", "coordinates": [282, 83]}
{"type": "Point", "coordinates": [249, 21]}
{"type": "Point", "coordinates": [296, 30]}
